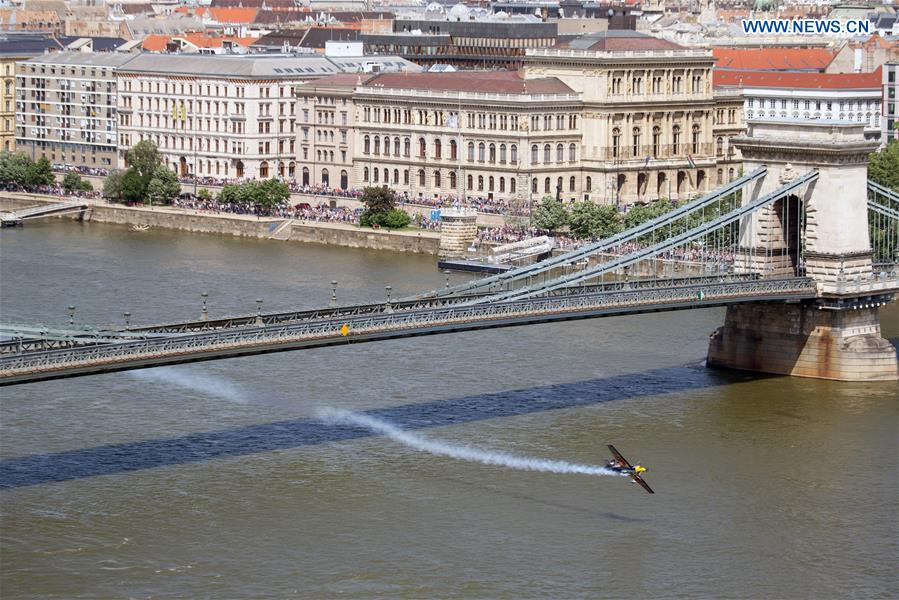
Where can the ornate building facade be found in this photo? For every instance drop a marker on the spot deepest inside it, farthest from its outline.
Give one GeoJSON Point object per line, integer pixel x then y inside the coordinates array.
{"type": "Point", "coordinates": [622, 118]}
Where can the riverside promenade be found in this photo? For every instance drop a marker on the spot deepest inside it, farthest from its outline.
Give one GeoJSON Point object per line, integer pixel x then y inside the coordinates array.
{"type": "Point", "coordinates": [274, 228]}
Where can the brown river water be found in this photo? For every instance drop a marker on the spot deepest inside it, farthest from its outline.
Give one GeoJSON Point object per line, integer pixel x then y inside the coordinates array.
{"type": "Point", "coordinates": [216, 480]}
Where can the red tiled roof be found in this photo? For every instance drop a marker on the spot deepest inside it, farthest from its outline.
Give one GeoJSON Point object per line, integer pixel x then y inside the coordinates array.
{"type": "Point", "coordinates": [498, 82]}
{"type": "Point", "coordinates": [233, 15]}
{"type": "Point", "coordinates": [795, 80]}
{"type": "Point", "coordinates": [772, 59]}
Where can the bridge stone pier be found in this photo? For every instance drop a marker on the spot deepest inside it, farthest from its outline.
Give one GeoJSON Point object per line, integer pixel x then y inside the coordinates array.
{"type": "Point", "coordinates": [821, 232]}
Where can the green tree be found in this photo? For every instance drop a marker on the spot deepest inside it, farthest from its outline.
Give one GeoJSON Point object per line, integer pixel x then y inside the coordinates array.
{"type": "Point", "coordinates": [14, 168]}
{"type": "Point", "coordinates": [163, 186]}
{"type": "Point", "coordinates": [73, 182]}
{"type": "Point", "coordinates": [883, 167]}
{"type": "Point", "coordinates": [204, 194]}
{"type": "Point", "coordinates": [112, 185]}
{"type": "Point", "coordinates": [272, 192]}
{"type": "Point", "coordinates": [133, 187]}
{"type": "Point", "coordinates": [378, 199]}
{"type": "Point", "coordinates": [589, 220]}
{"type": "Point", "coordinates": [144, 158]}
{"type": "Point", "coordinates": [395, 218]}
{"type": "Point", "coordinates": [550, 215]}
{"type": "Point", "coordinates": [39, 173]}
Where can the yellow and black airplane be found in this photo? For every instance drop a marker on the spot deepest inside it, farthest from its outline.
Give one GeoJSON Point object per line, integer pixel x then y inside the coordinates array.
{"type": "Point", "coordinates": [619, 464]}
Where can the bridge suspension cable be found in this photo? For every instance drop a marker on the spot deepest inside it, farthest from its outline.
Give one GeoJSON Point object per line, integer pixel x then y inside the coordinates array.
{"type": "Point", "coordinates": [883, 225]}
{"type": "Point", "coordinates": [600, 246]}
{"type": "Point", "coordinates": [655, 249]}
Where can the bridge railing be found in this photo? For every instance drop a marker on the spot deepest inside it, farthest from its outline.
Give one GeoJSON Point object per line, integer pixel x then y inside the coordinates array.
{"type": "Point", "coordinates": [449, 318]}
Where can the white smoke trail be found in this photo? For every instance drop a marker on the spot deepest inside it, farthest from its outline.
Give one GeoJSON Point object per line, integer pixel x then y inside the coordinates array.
{"type": "Point", "coordinates": [212, 386]}
{"type": "Point", "coordinates": [485, 457]}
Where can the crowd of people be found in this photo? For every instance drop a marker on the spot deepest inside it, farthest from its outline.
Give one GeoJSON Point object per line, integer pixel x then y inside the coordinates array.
{"type": "Point", "coordinates": [91, 171]}
{"type": "Point", "coordinates": [49, 190]}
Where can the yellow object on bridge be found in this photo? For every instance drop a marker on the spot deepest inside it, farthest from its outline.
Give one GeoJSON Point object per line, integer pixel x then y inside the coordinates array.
{"type": "Point", "coordinates": [344, 330]}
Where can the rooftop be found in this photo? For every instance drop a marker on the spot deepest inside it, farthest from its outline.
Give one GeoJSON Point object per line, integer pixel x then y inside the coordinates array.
{"type": "Point", "coordinates": [87, 59]}
{"type": "Point", "coordinates": [616, 40]}
{"type": "Point", "coordinates": [487, 82]}
{"type": "Point", "coordinates": [771, 59]}
{"type": "Point", "coordinates": [798, 80]}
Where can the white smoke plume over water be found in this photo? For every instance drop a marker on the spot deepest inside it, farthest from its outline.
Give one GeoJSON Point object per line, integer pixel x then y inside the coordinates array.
{"type": "Point", "coordinates": [468, 453]}
{"type": "Point", "coordinates": [212, 386]}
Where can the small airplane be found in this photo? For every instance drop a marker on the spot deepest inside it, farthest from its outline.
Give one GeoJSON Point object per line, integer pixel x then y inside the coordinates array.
{"type": "Point", "coordinates": [619, 464]}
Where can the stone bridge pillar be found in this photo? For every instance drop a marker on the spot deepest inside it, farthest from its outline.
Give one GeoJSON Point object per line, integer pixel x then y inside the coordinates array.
{"type": "Point", "coordinates": [835, 207]}
{"type": "Point", "coordinates": [829, 340]}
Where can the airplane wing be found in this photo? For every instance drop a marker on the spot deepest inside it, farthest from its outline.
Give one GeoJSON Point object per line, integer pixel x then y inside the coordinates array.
{"type": "Point", "coordinates": [621, 460]}
{"type": "Point", "coordinates": [643, 484]}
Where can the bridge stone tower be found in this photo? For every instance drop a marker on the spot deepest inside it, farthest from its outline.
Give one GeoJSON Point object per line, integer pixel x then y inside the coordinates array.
{"type": "Point", "coordinates": [822, 231]}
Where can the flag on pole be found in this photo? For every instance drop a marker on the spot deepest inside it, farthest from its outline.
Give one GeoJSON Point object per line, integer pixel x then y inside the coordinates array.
{"type": "Point", "coordinates": [183, 112]}
{"type": "Point", "coordinates": [691, 161]}
{"type": "Point", "coordinates": [174, 111]}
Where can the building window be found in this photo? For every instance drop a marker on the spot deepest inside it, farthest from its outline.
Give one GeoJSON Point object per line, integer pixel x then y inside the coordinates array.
{"type": "Point", "coordinates": [588, 185]}
{"type": "Point", "coordinates": [546, 185]}
{"type": "Point", "coordinates": [438, 150]}
{"type": "Point", "coordinates": [616, 142]}
{"type": "Point", "coordinates": [470, 151]}
{"type": "Point", "coordinates": [513, 154]}
{"type": "Point", "coordinates": [635, 142]}
{"type": "Point", "coordinates": [719, 147]}
{"type": "Point", "coordinates": [675, 140]}
{"type": "Point", "coordinates": [492, 154]}
{"type": "Point", "coordinates": [534, 151]}
{"type": "Point", "coordinates": [366, 145]}
{"type": "Point", "coordinates": [696, 139]}
{"type": "Point", "coordinates": [571, 184]}
{"type": "Point", "coordinates": [572, 153]}
{"type": "Point", "coordinates": [453, 150]}
{"type": "Point", "coordinates": [481, 152]}
{"type": "Point", "coordinates": [560, 153]}
{"type": "Point", "coordinates": [421, 177]}
{"type": "Point", "coordinates": [547, 154]}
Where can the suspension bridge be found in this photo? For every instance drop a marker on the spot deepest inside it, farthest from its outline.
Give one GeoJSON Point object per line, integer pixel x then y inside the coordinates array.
{"type": "Point", "coordinates": [802, 250]}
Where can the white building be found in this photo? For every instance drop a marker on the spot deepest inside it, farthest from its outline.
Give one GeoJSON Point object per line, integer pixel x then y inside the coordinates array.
{"type": "Point", "coordinates": [224, 117]}
{"type": "Point", "coordinates": [844, 97]}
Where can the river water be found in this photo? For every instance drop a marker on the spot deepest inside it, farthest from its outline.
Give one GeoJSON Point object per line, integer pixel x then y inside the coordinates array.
{"type": "Point", "coordinates": [216, 479]}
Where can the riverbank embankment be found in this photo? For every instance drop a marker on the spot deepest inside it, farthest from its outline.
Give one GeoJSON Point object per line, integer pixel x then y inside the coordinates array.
{"type": "Point", "coordinates": [335, 234]}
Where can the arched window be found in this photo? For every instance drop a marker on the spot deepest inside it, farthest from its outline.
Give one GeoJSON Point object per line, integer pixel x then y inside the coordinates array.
{"type": "Point", "coordinates": [656, 141]}
{"type": "Point", "coordinates": [453, 150]}
{"type": "Point", "coordinates": [422, 148]}
{"type": "Point", "coordinates": [571, 184]}
{"type": "Point", "coordinates": [534, 185]}
{"type": "Point", "coordinates": [675, 140]}
{"type": "Point", "coordinates": [344, 180]}
{"type": "Point", "coordinates": [559, 187]}
{"type": "Point", "coordinates": [263, 169]}
{"type": "Point", "coordinates": [376, 174]}
{"type": "Point", "coordinates": [421, 177]}
{"type": "Point", "coordinates": [513, 154]}
{"type": "Point", "coordinates": [306, 175]}
{"type": "Point", "coordinates": [386, 176]}
{"type": "Point", "coordinates": [480, 183]}
{"type": "Point", "coordinates": [546, 185]}
{"type": "Point", "coordinates": [719, 146]}
{"type": "Point", "coordinates": [482, 151]}
{"type": "Point", "coordinates": [534, 151]}
{"type": "Point", "coordinates": [730, 174]}
{"type": "Point", "coordinates": [635, 142]}
{"type": "Point", "coordinates": [720, 178]}
{"type": "Point", "coordinates": [502, 153]}
{"type": "Point", "coordinates": [492, 155]}
{"type": "Point", "coordinates": [511, 185]}
{"type": "Point", "coordinates": [560, 153]}
{"type": "Point", "coordinates": [589, 185]}
{"type": "Point", "coordinates": [396, 176]}
{"type": "Point", "coordinates": [377, 145]}
{"type": "Point", "coordinates": [470, 182]}
{"type": "Point", "coordinates": [437, 179]}
{"type": "Point", "coordinates": [470, 151]}
{"type": "Point", "coordinates": [695, 139]}
{"type": "Point", "coordinates": [405, 176]}
{"type": "Point", "coordinates": [396, 146]}
{"type": "Point", "coordinates": [452, 179]}
{"type": "Point", "coordinates": [326, 180]}
{"type": "Point", "coordinates": [502, 184]}
{"type": "Point", "coordinates": [386, 146]}
{"type": "Point", "coordinates": [547, 154]}
{"type": "Point", "coordinates": [366, 145]}
{"type": "Point", "coordinates": [438, 149]}
{"type": "Point", "coordinates": [407, 146]}
{"type": "Point", "coordinates": [490, 187]}
{"type": "Point", "coordinates": [572, 152]}
{"type": "Point", "coordinates": [616, 142]}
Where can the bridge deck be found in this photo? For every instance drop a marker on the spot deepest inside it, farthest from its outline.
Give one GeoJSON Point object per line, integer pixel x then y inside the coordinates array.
{"type": "Point", "coordinates": [213, 345]}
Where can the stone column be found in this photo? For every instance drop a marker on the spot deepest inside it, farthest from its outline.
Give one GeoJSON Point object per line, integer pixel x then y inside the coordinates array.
{"type": "Point", "coordinates": [458, 229]}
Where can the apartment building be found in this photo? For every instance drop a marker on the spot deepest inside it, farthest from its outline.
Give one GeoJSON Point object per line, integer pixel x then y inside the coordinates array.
{"type": "Point", "coordinates": [227, 117]}
{"type": "Point", "coordinates": [618, 117]}
{"type": "Point", "coordinates": [66, 107]}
